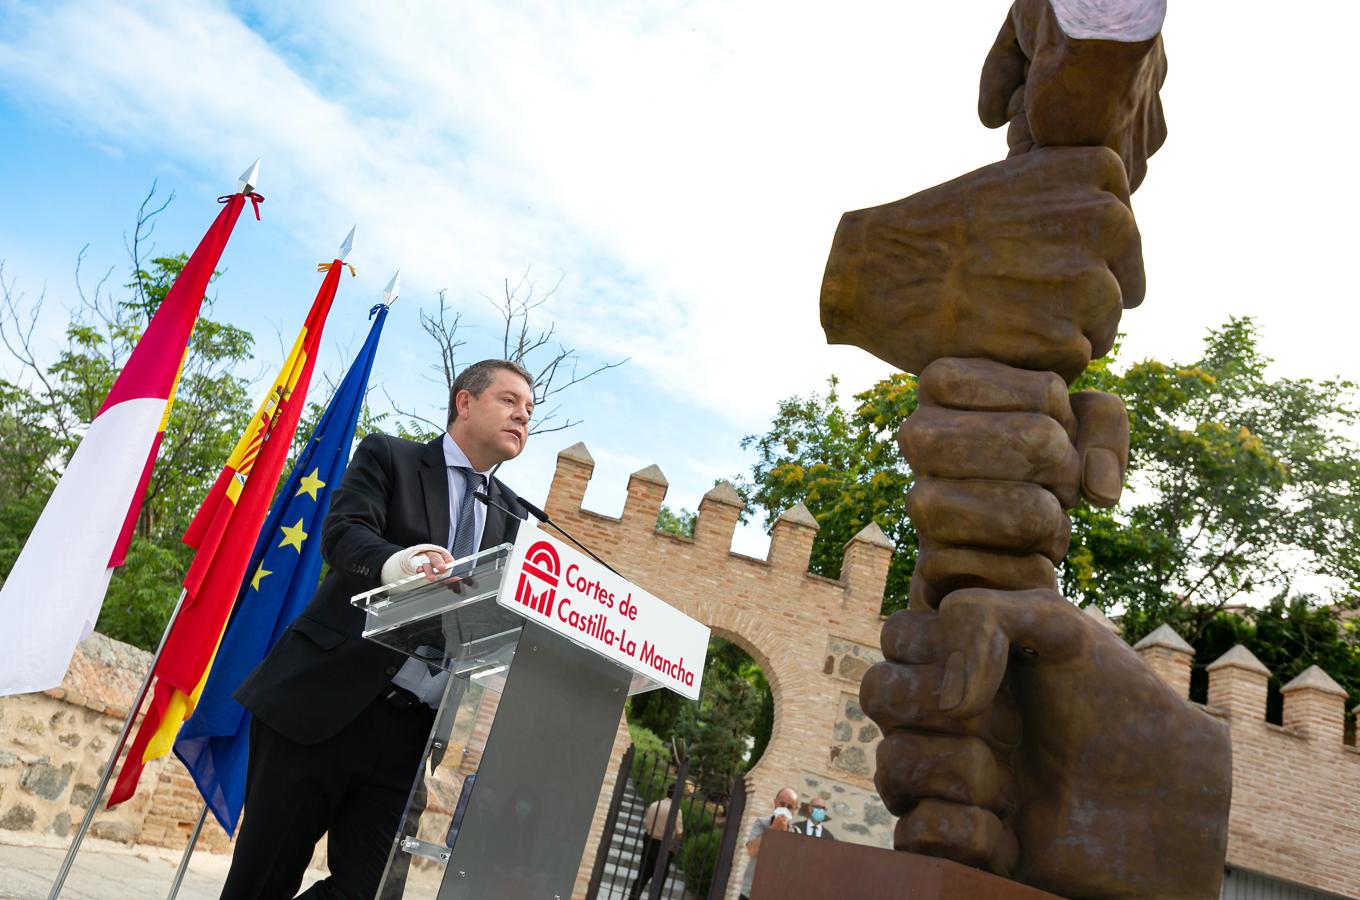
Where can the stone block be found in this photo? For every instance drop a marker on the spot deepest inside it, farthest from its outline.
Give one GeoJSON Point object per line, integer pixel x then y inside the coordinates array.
{"type": "Point", "coordinates": [122, 832]}
{"type": "Point", "coordinates": [19, 817]}
{"type": "Point", "coordinates": [46, 781]}
{"type": "Point", "coordinates": [81, 795]}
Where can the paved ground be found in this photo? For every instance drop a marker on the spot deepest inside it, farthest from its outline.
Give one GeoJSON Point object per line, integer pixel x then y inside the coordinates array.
{"type": "Point", "coordinates": [105, 871]}
{"type": "Point", "coordinates": [108, 871]}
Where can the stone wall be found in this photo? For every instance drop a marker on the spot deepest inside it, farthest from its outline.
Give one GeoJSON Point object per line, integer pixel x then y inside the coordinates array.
{"type": "Point", "coordinates": [54, 744]}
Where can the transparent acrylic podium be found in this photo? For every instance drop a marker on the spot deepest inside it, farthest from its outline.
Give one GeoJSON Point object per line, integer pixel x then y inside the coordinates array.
{"type": "Point", "coordinates": [508, 784]}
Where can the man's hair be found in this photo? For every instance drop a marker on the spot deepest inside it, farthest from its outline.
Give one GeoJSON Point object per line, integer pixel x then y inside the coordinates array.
{"type": "Point", "coordinates": [477, 377]}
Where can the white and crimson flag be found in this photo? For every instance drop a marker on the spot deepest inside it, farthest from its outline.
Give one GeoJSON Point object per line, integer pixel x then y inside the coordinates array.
{"type": "Point", "coordinates": [53, 594]}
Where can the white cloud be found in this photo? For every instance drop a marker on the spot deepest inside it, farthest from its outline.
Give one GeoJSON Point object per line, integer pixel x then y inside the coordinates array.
{"type": "Point", "coordinates": [685, 164]}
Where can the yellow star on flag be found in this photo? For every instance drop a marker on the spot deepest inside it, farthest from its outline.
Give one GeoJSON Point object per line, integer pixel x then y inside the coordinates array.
{"type": "Point", "coordinates": [260, 573]}
{"type": "Point", "coordinates": [293, 537]}
{"type": "Point", "coordinates": [310, 484]}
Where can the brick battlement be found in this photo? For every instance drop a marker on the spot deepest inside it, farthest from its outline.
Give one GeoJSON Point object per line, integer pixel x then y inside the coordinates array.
{"type": "Point", "coordinates": [864, 571]}
{"type": "Point", "coordinates": [1296, 787]}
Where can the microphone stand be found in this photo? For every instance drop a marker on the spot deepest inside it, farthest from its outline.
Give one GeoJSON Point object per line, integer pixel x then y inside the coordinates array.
{"type": "Point", "coordinates": [546, 520]}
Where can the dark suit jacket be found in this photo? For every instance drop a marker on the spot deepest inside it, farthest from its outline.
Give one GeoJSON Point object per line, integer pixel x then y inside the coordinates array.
{"type": "Point", "coordinates": [322, 673]}
{"type": "Point", "coordinates": [801, 828]}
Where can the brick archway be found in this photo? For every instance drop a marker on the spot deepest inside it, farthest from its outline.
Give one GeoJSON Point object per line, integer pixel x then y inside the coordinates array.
{"type": "Point", "coordinates": [812, 636]}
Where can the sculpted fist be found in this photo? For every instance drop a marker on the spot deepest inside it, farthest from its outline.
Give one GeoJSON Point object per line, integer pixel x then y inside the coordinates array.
{"type": "Point", "coordinates": [1023, 737]}
{"type": "Point", "coordinates": [998, 454]}
{"type": "Point", "coordinates": [1028, 261]}
{"type": "Point", "coordinates": [1079, 73]}
{"type": "Point", "coordinates": [1019, 735]}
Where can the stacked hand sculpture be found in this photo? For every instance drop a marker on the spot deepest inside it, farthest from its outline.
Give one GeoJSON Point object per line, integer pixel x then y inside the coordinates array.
{"type": "Point", "coordinates": [1020, 735]}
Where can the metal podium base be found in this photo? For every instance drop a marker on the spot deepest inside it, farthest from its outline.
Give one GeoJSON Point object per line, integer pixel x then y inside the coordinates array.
{"type": "Point", "coordinates": [539, 781]}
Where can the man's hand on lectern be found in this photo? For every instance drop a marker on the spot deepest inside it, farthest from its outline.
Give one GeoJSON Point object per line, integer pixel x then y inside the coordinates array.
{"type": "Point", "coordinates": [430, 560]}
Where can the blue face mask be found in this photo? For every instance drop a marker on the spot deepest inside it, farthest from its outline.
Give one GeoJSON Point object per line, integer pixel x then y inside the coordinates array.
{"type": "Point", "coordinates": [818, 814]}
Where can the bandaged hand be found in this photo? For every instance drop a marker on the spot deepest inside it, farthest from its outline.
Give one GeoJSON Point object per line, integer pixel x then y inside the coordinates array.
{"type": "Point", "coordinates": [430, 560]}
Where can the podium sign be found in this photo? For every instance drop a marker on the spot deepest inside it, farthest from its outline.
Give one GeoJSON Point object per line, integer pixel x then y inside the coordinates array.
{"type": "Point", "coordinates": [563, 642]}
{"type": "Point", "coordinates": [551, 583]}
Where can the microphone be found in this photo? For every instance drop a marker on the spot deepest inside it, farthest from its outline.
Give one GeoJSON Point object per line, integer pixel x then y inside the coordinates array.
{"type": "Point", "coordinates": [546, 520]}
{"type": "Point", "coordinates": [489, 502]}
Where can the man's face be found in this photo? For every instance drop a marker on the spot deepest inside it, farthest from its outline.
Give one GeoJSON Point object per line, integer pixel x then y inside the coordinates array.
{"type": "Point", "coordinates": [787, 799]}
{"type": "Point", "coordinates": [494, 427]}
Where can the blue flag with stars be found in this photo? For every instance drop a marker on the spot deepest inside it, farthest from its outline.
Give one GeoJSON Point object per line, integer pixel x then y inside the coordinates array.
{"type": "Point", "coordinates": [280, 580]}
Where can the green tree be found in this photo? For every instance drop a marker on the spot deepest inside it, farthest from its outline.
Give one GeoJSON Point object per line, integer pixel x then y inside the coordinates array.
{"type": "Point", "coordinates": [1287, 635]}
{"type": "Point", "coordinates": [727, 730]}
{"type": "Point", "coordinates": [679, 523]}
{"type": "Point", "coordinates": [1239, 485]}
{"type": "Point", "coordinates": [844, 466]}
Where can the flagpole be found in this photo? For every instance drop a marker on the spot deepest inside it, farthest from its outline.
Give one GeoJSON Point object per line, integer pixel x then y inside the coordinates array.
{"type": "Point", "coordinates": [188, 852]}
{"type": "Point", "coordinates": [113, 756]}
{"type": "Point", "coordinates": [390, 294]}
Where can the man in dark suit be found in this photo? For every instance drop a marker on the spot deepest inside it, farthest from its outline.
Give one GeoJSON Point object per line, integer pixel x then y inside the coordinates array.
{"type": "Point", "coordinates": [340, 723]}
{"type": "Point", "coordinates": [812, 826]}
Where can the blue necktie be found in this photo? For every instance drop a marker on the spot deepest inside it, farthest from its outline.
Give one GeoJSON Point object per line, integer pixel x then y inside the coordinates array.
{"type": "Point", "coordinates": [465, 533]}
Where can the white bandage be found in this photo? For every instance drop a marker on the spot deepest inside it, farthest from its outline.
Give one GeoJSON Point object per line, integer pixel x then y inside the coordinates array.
{"type": "Point", "coordinates": [405, 563]}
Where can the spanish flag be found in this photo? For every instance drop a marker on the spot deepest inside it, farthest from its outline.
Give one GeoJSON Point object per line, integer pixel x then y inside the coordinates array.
{"type": "Point", "coordinates": [223, 534]}
{"type": "Point", "coordinates": [54, 592]}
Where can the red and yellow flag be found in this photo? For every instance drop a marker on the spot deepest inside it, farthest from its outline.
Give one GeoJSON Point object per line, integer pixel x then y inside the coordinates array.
{"type": "Point", "coordinates": [223, 534]}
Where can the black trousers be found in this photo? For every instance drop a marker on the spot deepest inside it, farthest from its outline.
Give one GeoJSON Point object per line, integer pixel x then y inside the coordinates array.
{"type": "Point", "coordinates": [651, 848]}
{"type": "Point", "coordinates": [352, 788]}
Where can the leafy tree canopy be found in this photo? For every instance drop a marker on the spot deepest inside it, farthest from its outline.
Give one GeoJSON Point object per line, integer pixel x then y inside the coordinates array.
{"type": "Point", "coordinates": [1242, 487]}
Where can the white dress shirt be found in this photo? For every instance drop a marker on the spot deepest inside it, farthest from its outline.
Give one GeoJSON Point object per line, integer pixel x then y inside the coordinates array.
{"type": "Point", "coordinates": [414, 675]}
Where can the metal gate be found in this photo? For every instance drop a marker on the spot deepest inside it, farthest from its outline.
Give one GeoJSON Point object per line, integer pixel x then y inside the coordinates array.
{"type": "Point", "coordinates": [693, 865]}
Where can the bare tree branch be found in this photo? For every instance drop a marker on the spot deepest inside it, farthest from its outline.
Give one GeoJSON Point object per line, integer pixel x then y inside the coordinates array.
{"type": "Point", "coordinates": [146, 227]}
{"type": "Point", "coordinates": [554, 366]}
{"type": "Point", "coordinates": [411, 414]}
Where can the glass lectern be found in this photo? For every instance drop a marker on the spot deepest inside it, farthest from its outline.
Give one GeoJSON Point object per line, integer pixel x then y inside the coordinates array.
{"type": "Point", "coordinates": [505, 793]}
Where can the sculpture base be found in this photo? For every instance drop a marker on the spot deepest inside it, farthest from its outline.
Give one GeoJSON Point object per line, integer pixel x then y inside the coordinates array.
{"type": "Point", "coordinates": [792, 865]}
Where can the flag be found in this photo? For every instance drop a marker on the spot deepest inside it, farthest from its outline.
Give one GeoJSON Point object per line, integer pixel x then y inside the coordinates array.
{"type": "Point", "coordinates": [280, 579]}
{"type": "Point", "coordinates": [223, 534]}
{"type": "Point", "coordinates": [53, 594]}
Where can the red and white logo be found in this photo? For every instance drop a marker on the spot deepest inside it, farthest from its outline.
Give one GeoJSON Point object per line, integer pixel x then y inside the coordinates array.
{"type": "Point", "coordinates": [543, 565]}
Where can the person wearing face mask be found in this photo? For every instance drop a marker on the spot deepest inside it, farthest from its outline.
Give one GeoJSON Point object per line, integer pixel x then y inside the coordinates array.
{"type": "Point", "coordinates": [340, 722]}
{"type": "Point", "coordinates": [779, 819]}
{"type": "Point", "coordinates": [812, 826]}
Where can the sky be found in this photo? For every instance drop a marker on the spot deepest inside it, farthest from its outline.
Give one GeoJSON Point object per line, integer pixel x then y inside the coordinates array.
{"type": "Point", "coordinates": [679, 168]}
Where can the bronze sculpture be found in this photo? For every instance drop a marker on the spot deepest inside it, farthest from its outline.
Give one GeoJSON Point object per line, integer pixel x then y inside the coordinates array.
{"type": "Point", "coordinates": [1020, 736]}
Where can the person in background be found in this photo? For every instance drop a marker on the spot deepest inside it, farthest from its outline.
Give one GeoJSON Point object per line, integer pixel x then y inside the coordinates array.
{"type": "Point", "coordinates": [812, 826]}
{"type": "Point", "coordinates": [654, 822]}
{"type": "Point", "coordinates": [780, 819]}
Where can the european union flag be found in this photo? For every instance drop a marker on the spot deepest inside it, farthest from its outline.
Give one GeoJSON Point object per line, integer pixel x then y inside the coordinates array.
{"type": "Point", "coordinates": [281, 578]}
